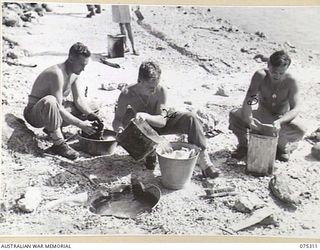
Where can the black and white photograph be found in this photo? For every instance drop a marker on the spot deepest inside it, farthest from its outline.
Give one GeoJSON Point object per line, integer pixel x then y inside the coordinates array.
{"type": "Point", "coordinates": [160, 120]}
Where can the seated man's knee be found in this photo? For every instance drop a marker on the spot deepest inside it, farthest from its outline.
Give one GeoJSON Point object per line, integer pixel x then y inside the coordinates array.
{"type": "Point", "coordinates": [232, 117]}
{"type": "Point", "coordinates": [50, 100]}
{"type": "Point", "coordinates": [190, 116]}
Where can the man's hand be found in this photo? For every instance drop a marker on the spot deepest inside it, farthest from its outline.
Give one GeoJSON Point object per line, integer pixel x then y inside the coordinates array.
{"type": "Point", "coordinates": [87, 127]}
{"type": "Point", "coordinates": [277, 125]}
{"type": "Point", "coordinates": [119, 131]}
{"type": "Point", "coordinates": [165, 147]}
{"type": "Point", "coordinates": [142, 116]}
{"type": "Point", "coordinates": [94, 117]}
{"type": "Point", "coordinates": [254, 123]}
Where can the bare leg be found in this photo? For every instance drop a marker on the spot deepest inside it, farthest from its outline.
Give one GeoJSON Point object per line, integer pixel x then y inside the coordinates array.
{"type": "Point", "coordinates": [128, 27]}
{"type": "Point", "coordinates": [123, 32]}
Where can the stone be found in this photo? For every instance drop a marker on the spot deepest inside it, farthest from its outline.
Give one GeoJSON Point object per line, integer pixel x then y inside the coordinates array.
{"type": "Point", "coordinates": [256, 218]}
{"type": "Point", "coordinates": [31, 200]}
{"type": "Point", "coordinates": [221, 92]}
{"type": "Point", "coordinates": [315, 151]}
{"type": "Point", "coordinates": [187, 102]}
{"type": "Point", "coordinates": [282, 187]}
{"type": "Point", "coordinates": [248, 203]}
{"type": "Point", "coordinates": [10, 18]}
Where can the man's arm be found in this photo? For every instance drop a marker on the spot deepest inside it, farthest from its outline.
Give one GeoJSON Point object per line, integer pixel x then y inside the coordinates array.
{"type": "Point", "coordinates": [159, 120]}
{"type": "Point", "coordinates": [120, 111]}
{"type": "Point", "coordinates": [56, 90]}
{"type": "Point", "coordinates": [78, 99]}
{"type": "Point", "coordinates": [294, 104]}
{"type": "Point", "coordinates": [252, 95]}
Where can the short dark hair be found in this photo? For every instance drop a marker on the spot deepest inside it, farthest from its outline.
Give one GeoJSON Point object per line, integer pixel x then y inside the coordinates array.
{"type": "Point", "coordinates": [280, 58]}
{"type": "Point", "coordinates": [78, 49]}
{"type": "Point", "coordinates": [149, 70]}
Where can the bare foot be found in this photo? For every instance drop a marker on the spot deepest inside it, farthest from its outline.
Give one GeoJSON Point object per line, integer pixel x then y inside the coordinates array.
{"type": "Point", "coordinates": [136, 53]}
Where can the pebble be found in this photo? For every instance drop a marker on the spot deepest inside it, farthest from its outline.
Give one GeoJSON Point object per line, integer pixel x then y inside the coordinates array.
{"type": "Point", "coordinates": [31, 200]}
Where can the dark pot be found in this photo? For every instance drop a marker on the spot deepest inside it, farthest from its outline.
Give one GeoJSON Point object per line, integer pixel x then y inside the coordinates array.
{"type": "Point", "coordinates": [99, 147]}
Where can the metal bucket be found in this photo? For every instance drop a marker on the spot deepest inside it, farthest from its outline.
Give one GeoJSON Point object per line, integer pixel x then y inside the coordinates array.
{"type": "Point", "coordinates": [176, 173]}
{"type": "Point", "coordinates": [115, 46]}
{"type": "Point", "coordinates": [262, 151]}
{"type": "Point", "coordinates": [139, 139]}
{"type": "Point", "coordinates": [99, 147]}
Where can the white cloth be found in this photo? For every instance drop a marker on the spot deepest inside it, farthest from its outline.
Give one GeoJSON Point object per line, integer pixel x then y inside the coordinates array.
{"type": "Point", "coordinates": [121, 13]}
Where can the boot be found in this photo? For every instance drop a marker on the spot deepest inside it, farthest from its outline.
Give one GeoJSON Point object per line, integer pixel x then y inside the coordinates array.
{"type": "Point", "coordinates": [208, 169]}
{"type": "Point", "coordinates": [239, 153]}
{"type": "Point", "coordinates": [282, 155]}
{"type": "Point", "coordinates": [64, 150]}
{"type": "Point", "coordinates": [151, 161]}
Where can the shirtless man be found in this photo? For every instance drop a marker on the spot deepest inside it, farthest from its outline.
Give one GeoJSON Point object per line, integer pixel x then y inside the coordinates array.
{"type": "Point", "coordinates": [147, 101]}
{"type": "Point", "coordinates": [277, 93]}
{"type": "Point", "coordinates": [45, 106]}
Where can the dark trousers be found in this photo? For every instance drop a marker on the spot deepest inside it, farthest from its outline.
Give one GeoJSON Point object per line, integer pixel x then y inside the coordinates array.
{"type": "Point", "coordinates": [290, 133]}
{"type": "Point", "coordinates": [185, 123]}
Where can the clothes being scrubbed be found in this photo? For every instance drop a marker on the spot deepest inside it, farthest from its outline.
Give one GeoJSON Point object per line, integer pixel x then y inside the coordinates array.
{"type": "Point", "coordinates": [183, 153]}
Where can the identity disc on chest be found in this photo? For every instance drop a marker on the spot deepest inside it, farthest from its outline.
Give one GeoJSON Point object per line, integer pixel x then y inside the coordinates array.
{"type": "Point", "coordinates": [274, 96]}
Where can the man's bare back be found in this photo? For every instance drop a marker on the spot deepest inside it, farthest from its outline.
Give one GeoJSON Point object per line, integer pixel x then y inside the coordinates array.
{"type": "Point", "coordinates": [51, 79]}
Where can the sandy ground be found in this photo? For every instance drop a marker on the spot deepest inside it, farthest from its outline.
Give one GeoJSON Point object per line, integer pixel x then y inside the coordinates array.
{"type": "Point", "coordinates": [198, 53]}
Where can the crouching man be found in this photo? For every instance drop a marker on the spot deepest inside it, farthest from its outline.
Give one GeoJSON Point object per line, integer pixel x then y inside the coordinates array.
{"type": "Point", "coordinates": [277, 95]}
{"type": "Point", "coordinates": [46, 106]}
{"type": "Point", "coordinates": [147, 100]}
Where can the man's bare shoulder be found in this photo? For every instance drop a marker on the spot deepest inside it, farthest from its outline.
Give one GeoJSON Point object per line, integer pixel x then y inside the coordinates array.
{"type": "Point", "coordinates": [261, 73]}
{"type": "Point", "coordinates": [290, 81]}
{"type": "Point", "coordinates": [54, 70]}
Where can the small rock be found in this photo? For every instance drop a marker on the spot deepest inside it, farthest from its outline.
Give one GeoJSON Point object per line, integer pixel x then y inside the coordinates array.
{"type": "Point", "coordinates": [315, 151]}
{"type": "Point", "coordinates": [109, 87]}
{"type": "Point", "coordinates": [187, 102]}
{"type": "Point", "coordinates": [31, 200]}
{"type": "Point", "coordinates": [282, 187]}
{"type": "Point", "coordinates": [10, 18]}
{"type": "Point", "coordinates": [205, 86]}
{"type": "Point", "coordinates": [289, 45]}
{"type": "Point", "coordinates": [221, 92]}
{"type": "Point", "coordinates": [260, 58]}
{"type": "Point", "coordinates": [248, 203]}
{"type": "Point", "coordinates": [260, 34]}
{"type": "Point", "coordinates": [12, 55]}
{"type": "Point", "coordinates": [304, 226]}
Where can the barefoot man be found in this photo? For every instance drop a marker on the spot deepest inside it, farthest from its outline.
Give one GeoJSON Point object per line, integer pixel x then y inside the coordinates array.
{"type": "Point", "coordinates": [276, 93]}
{"type": "Point", "coordinates": [45, 106]}
{"type": "Point", "coordinates": [147, 101]}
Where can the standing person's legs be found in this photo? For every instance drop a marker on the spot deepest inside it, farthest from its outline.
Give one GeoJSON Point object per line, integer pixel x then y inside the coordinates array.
{"type": "Point", "coordinates": [123, 32]}
{"type": "Point", "coordinates": [98, 8]}
{"type": "Point", "coordinates": [90, 8]}
{"type": "Point", "coordinates": [130, 35]}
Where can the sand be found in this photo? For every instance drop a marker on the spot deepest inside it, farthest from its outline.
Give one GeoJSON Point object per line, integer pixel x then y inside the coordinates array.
{"type": "Point", "coordinates": [198, 53]}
